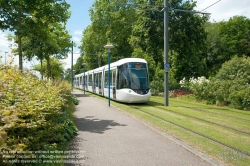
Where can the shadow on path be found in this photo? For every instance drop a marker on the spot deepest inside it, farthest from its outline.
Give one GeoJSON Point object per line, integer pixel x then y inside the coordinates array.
{"type": "Point", "coordinates": [81, 95]}
{"type": "Point", "coordinates": [94, 125]}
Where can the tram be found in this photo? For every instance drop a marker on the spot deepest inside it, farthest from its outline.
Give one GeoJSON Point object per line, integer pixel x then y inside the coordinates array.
{"type": "Point", "coordinates": [129, 81]}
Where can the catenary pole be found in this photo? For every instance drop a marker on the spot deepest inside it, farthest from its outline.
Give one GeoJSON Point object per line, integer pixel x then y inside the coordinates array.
{"type": "Point", "coordinates": [166, 91]}
{"type": "Point", "coordinates": [72, 65]}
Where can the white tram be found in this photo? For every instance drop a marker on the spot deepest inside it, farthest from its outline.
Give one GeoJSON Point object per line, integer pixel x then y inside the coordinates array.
{"type": "Point", "coordinates": [129, 81]}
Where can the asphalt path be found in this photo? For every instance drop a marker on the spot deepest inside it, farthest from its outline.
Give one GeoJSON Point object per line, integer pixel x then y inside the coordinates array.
{"type": "Point", "coordinates": [108, 136]}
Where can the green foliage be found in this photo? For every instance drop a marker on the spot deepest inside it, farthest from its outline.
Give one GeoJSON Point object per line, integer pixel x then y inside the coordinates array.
{"type": "Point", "coordinates": [157, 85]}
{"type": "Point", "coordinates": [74, 99]}
{"type": "Point", "coordinates": [230, 87]}
{"type": "Point", "coordinates": [78, 66]}
{"type": "Point", "coordinates": [56, 67]}
{"type": "Point", "coordinates": [241, 99]}
{"type": "Point", "coordinates": [31, 19]}
{"type": "Point", "coordinates": [218, 91]}
{"type": "Point", "coordinates": [216, 48]}
{"type": "Point", "coordinates": [34, 114]}
{"type": "Point", "coordinates": [236, 68]}
{"type": "Point", "coordinates": [111, 21]}
{"type": "Point", "coordinates": [226, 39]}
{"type": "Point", "coordinates": [236, 36]}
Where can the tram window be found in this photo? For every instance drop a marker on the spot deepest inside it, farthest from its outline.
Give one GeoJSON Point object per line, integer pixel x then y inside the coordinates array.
{"type": "Point", "coordinates": [90, 80]}
{"type": "Point", "coordinates": [121, 78]}
{"type": "Point", "coordinates": [80, 80]}
{"type": "Point", "coordinates": [100, 78]}
{"type": "Point", "coordinates": [113, 84]}
{"type": "Point", "coordinates": [95, 80]}
{"type": "Point", "coordinates": [106, 79]}
{"type": "Point", "coordinates": [87, 80]}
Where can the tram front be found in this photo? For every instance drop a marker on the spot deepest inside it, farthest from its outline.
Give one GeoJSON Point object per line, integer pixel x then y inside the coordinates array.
{"type": "Point", "coordinates": [133, 82]}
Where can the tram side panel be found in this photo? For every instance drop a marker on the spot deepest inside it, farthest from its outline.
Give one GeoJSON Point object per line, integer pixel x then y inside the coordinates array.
{"type": "Point", "coordinates": [98, 83]}
{"type": "Point", "coordinates": [90, 81]}
{"type": "Point", "coordinates": [112, 83]}
{"type": "Point", "coordinates": [122, 89]}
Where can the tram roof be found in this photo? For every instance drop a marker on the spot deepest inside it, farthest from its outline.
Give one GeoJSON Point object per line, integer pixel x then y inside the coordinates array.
{"type": "Point", "coordinates": [117, 63]}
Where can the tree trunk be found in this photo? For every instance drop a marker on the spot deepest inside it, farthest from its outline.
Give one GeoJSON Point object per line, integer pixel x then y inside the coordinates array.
{"type": "Point", "coordinates": [41, 61]}
{"type": "Point", "coordinates": [48, 67]}
{"type": "Point", "coordinates": [20, 45]}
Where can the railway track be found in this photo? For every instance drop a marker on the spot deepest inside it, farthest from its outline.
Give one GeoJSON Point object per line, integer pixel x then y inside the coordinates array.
{"type": "Point", "coordinates": [195, 132]}
{"type": "Point", "coordinates": [224, 126]}
{"type": "Point", "coordinates": [211, 112]}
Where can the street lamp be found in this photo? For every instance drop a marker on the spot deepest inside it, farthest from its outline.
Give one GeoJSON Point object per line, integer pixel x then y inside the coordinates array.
{"type": "Point", "coordinates": [109, 46]}
{"type": "Point", "coordinates": [5, 58]}
{"type": "Point", "coordinates": [73, 79]}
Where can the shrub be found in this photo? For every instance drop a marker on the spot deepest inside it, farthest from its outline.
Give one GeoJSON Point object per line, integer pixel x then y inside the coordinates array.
{"type": "Point", "coordinates": [34, 114]}
{"type": "Point", "coordinates": [157, 87]}
{"type": "Point", "coordinates": [241, 99]}
{"type": "Point", "coordinates": [196, 86]}
{"type": "Point", "coordinates": [230, 87]}
{"type": "Point", "coordinates": [236, 68]}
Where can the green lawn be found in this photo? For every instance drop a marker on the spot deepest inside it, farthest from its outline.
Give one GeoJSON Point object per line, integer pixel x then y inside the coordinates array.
{"type": "Point", "coordinates": [189, 121]}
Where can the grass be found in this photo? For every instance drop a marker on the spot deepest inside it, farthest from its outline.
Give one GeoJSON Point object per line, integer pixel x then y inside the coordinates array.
{"type": "Point", "coordinates": [228, 126]}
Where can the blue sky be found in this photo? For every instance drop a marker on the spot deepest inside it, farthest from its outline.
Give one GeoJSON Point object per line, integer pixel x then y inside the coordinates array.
{"type": "Point", "coordinates": [80, 19]}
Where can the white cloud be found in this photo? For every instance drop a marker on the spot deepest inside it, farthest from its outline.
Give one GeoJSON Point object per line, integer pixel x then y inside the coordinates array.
{"type": "Point", "coordinates": [79, 32]}
{"type": "Point", "coordinates": [224, 9]}
{"type": "Point", "coordinates": [76, 39]}
{"type": "Point", "coordinates": [68, 60]}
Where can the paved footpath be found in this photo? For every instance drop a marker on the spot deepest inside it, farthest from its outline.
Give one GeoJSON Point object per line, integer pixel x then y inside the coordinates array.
{"type": "Point", "coordinates": [110, 137]}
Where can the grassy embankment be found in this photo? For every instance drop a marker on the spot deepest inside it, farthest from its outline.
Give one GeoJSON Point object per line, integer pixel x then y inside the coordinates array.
{"type": "Point", "coordinates": [191, 122]}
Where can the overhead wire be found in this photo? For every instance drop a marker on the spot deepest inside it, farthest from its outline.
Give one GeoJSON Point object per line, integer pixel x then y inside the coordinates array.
{"type": "Point", "coordinates": [211, 5]}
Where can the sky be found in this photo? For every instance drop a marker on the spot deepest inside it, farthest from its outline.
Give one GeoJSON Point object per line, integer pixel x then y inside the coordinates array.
{"type": "Point", "coordinates": [80, 19]}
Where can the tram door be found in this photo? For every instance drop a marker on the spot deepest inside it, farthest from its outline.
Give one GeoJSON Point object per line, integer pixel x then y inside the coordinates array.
{"type": "Point", "coordinates": [95, 82]}
{"type": "Point", "coordinates": [114, 84]}
{"type": "Point", "coordinates": [100, 83]}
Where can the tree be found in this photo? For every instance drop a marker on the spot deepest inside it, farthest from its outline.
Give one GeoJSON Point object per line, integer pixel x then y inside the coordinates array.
{"type": "Point", "coordinates": [68, 75]}
{"type": "Point", "coordinates": [226, 39]}
{"type": "Point", "coordinates": [56, 67]}
{"type": "Point", "coordinates": [186, 37]}
{"type": "Point", "coordinates": [111, 21]}
{"type": "Point", "coordinates": [31, 17]}
{"type": "Point", "coordinates": [236, 35]}
{"type": "Point", "coordinates": [78, 66]}
{"type": "Point", "coordinates": [216, 48]}
{"type": "Point", "coordinates": [58, 44]}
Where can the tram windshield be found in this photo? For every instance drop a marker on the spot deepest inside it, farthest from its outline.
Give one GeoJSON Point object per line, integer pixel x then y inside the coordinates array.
{"type": "Point", "coordinates": [134, 75]}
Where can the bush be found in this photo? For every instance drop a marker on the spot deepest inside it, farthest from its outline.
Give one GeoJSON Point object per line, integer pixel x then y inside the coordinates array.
{"type": "Point", "coordinates": [230, 87]}
{"type": "Point", "coordinates": [34, 114]}
{"type": "Point", "coordinates": [218, 91]}
{"type": "Point", "coordinates": [236, 68]}
{"type": "Point", "coordinates": [241, 99]}
{"type": "Point", "coordinates": [196, 85]}
{"type": "Point", "coordinates": [157, 87]}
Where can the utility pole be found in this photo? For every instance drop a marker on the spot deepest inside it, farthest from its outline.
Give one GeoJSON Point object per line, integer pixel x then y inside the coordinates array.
{"type": "Point", "coordinates": [166, 65]}
{"type": "Point", "coordinates": [72, 72]}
